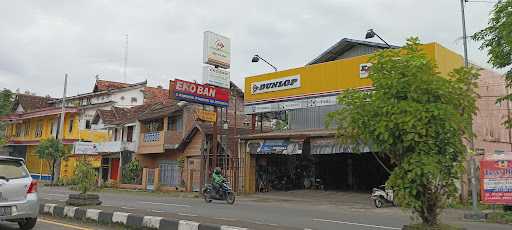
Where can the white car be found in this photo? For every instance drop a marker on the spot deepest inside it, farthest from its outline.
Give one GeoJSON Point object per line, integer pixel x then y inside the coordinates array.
{"type": "Point", "coordinates": [19, 201]}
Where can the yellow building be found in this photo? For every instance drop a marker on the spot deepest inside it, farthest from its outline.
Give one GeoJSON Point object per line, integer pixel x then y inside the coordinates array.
{"type": "Point", "coordinates": [34, 122]}
{"type": "Point", "coordinates": [302, 97]}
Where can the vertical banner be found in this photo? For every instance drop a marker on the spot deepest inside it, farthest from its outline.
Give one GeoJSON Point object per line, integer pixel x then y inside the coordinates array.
{"type": "Point", "coordinates": [496, 181]}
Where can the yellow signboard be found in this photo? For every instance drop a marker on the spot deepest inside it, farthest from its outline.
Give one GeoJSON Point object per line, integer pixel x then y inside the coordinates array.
{"type": "Point", "coordinates": [206, 115]}
{"type": "Point", "coordinates": [330, 78]}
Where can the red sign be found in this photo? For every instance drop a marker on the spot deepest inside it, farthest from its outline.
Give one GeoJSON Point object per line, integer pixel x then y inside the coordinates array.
{"type": "Point", "coordinates": [496, 181]}
{"type": "Point", "coordinates": [199, 93]}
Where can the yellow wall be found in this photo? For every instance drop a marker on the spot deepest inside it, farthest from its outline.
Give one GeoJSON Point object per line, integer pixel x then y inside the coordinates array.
{"type": "Point", "coordinates": [340, 74]}
{"type": "Point", "coordinates": [94, 136]}
{"type": "Point", "coordinates": [34, 163]}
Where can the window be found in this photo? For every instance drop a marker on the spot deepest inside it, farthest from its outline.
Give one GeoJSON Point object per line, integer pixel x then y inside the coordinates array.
{"type": "Point", "coordinates": [129, 134]}
{"type": "Point", "coordinates": [13, 170]}
{"type": "Point", "coordinates": [39, 129]}
{"type": "Point", "coordinates": [176, 122]}
{"type": "Point", "coordinates": [26, 129]}
{"type": "Point", "coordinates": [134, 100]}
{"type": "Point", "coordinates": [115, 134]}
{"type": "Point", "coordinates": [153, 125]}
{"type": "Point", "coordinates": [70, 128]}
{"type": "Point", "coordinates": [87, 124]}
{"type": "Point", "coordinates": [480, 151]}
{"type": "Point", "coordinates": [499, 152]}
{"type": "Point", "coordinates": [51, 126]}
{"type": "Point", "coordinates": [19, 129]}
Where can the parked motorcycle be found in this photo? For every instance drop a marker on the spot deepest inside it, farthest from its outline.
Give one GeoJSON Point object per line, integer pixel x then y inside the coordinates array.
{"type": "Point", "coordinates": [224, 193]}
{"type": "Point", "coordinates": [382, 196]}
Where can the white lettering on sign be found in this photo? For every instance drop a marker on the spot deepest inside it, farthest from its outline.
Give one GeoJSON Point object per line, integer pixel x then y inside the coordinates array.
{"type": "Point", "coordinates": [195, 89]}
{"type": "Point", "coordinates": [276, 84]}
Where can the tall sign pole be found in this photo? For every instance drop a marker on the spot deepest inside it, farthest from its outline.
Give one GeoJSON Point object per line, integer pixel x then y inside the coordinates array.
{"type": "Point", "coordinates": [217, 57]}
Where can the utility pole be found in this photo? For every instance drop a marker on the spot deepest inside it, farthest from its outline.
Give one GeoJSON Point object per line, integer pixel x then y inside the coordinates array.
{"type": "Point", "coordinates": [476, 214]}
{"type": "Point", "coordinates": [63, 106]}
{"type": "Point", "coordinates": [214, 138]}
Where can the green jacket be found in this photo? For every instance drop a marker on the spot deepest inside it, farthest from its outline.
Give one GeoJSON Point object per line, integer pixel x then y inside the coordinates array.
{"type": "Point", "coordinates": [217, 178]}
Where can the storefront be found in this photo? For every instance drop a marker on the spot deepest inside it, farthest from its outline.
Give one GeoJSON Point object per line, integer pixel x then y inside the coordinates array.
{"type": "Point", "coordinates": [303, 151]}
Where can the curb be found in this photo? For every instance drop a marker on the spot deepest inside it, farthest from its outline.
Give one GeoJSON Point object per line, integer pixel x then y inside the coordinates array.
{"type": "Point", "coordinates": [127, 219]}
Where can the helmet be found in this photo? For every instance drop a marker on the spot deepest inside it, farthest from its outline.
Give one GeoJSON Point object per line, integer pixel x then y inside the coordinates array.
{"type": "Point", "coordinates": [216, 170]}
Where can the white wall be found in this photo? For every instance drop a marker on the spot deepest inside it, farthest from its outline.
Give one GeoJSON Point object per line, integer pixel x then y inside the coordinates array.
{"type": "Point", "coordinates": [124, 98]}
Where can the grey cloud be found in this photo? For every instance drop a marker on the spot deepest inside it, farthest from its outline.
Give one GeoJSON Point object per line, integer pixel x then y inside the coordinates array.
{"type": "Point", "coordinates": [42, 40]}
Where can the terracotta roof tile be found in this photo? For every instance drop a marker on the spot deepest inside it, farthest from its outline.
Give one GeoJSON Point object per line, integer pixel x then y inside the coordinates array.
{"type": "Point", "coordinates": [152, 94]}
{"type": "Point", "coordinates": [103, 85]}
{"type": "Point", "coordinates": [30, 102]}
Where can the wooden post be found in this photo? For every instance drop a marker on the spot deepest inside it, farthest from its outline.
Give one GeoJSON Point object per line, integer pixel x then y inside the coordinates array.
{"type": "Point", "coordinates": [144, 178]}
{"type": "Point", "coordinates": [156, 180]}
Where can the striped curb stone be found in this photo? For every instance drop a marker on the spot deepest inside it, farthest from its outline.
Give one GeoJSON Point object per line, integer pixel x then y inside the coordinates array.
{"type": "Point", "coordinates": [127, 219]}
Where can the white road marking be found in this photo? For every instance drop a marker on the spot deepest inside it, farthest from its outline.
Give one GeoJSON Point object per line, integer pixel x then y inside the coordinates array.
{"type": "Point", "coordinates": [261, 222]}
{"type": "Point", "coordinates": [228, 219]}
{"type": "Point", "coordinates": [61, 195]}
{"type": "Point", "coordinates": [357, 224]}
{"type": "Point", "coordinates": [107, 205]}
{"type": "Point", "coordinates": [156, 203]}
{"type": "Point", "coordinates": [159, 211]}
{"type": "Point", "coordinates": [185, 214]}
{"type": "Point", "coordinates": [127, 208]}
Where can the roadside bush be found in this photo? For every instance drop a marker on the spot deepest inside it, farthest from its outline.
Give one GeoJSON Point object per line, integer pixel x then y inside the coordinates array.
{"type": "Point", "coordinates": [86, 176]}
{"type": "Point", "coordinates": [132, 173]}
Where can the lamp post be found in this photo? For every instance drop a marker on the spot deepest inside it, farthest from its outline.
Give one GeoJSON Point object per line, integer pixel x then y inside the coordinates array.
{"type": "Point", "coordinates": [370, 34]}
{"type": "Point", "coordinates": [257, 58]}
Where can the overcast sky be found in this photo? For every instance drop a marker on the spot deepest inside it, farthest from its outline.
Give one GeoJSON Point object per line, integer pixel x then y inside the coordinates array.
{"type": "Point", "coordinates": [42, 40]}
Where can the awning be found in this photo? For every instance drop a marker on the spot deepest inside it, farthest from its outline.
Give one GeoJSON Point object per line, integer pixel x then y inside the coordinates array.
{"type": "Point", "coordinates": [332, 146]}
{"type": "Point", "coordinates": [286, 147]}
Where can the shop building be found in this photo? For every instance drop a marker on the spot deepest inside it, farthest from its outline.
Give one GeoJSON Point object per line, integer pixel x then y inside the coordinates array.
{"type": "Point", "coordinates": [175, 143]}
{"type": "Point", "coordinates": [305, 153]}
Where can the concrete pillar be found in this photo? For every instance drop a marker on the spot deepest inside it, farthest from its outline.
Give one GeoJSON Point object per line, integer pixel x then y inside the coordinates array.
{"type": "Point", "coordinates": [144, 178]}
{"type": "Point", "coordinates": [156, 181]}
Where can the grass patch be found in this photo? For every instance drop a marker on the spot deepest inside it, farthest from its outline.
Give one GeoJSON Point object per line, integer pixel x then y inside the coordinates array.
{"type": "Point", "coordinates": [500, 217]}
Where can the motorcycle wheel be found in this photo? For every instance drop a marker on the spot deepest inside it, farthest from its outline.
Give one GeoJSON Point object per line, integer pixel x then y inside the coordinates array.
{"type": "Point", "coordinates": [206, 196]}
{"type": "Point", "coordinates": [379, 203]}
{"type": "Point", "coordinates": [230, 198]}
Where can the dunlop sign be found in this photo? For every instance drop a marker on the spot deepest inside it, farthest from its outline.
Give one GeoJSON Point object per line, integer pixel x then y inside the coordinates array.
{"type": "Point", "coordinates": [275, 84]}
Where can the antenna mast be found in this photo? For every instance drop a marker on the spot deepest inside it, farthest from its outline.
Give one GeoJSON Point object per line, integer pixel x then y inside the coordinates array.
{"type": "Point", "coordinates": [125, 57]}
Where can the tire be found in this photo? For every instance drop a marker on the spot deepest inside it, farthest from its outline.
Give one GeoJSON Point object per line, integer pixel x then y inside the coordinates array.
{"type": "Point", "coordinates": [378, 202]}
{"type": "Point", "coordinates": [206, 196]}
{"type": "Point", "coordinates": [230, 198]}
{"type": "Point", "coordinates": [27, 223]}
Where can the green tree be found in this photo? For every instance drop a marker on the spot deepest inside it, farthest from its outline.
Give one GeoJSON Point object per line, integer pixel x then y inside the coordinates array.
{"type": "Point", "coordinates": [496, 38]}
{"type": "Point", "coordinates": [85, 175]}
{"type": "Point", "coordinates": [418, 118]}
{"type": "Point", "coordinates": [132, 173]}
{"type": "Point", "coordinates": [6, 100]}
{"type": "Point", "coordinates": [51, 150]}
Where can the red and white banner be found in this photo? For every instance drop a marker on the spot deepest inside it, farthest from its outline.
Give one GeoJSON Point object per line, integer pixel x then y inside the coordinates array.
{"type": "Point", "coordinates": [496, 181]}
{"type": "Point", "coordinates": [199, 93]}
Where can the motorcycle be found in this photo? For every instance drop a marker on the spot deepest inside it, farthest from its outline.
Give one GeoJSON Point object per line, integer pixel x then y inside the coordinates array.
{"type": "Point", "coordinates": [382, 196]}
{"type": "Point", "coordinates": [224, 193]}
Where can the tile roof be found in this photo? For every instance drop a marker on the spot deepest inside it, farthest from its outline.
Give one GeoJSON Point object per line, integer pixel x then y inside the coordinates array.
{"type": "Point", "coordinates": [30, 102]}
{"type": "Point", "coordinates": [152, 94]}
{"type": "Point", "coordinates": [103, 85]}
{"type": "Point", "coordinates": [119, 116]}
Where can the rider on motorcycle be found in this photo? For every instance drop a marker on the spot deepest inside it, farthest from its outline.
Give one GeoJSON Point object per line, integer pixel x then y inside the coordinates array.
{"type": "Point", "coordinates": [217, 179]}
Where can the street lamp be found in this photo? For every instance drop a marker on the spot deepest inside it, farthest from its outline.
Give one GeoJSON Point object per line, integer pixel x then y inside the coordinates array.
{"type": "Point", "coordinates": [256, 58]}
{"type": "Point", "coordinates": [370, 34]}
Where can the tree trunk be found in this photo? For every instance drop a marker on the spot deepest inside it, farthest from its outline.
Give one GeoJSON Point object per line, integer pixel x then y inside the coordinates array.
{"type": "Point", "coordinates": [53, 171]}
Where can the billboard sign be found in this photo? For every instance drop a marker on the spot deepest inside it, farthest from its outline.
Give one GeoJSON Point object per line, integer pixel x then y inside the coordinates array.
{"type": "Point", "coordinates": [205, 115]}
{"type": "Point", "coordinates": [216, 50]}
{"type": "Point", "coordinates": [286, 147]}
{"type": "Point", "coordinates": [199, 93]}
{"type": "Point", "coordinates": [277, 84]}
{"type": "Point", "coordinates": [85, 148]}
{"type": "Point", "coordinates": [496, 181]}
{"type": "Point", "coordinates": [216, 76]}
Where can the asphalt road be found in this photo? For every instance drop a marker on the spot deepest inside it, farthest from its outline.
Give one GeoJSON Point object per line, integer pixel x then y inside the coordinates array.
{"type": "Point", "coordinates": [256, 213]}
{"type": "Point", "coordinates": [54, 224]}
